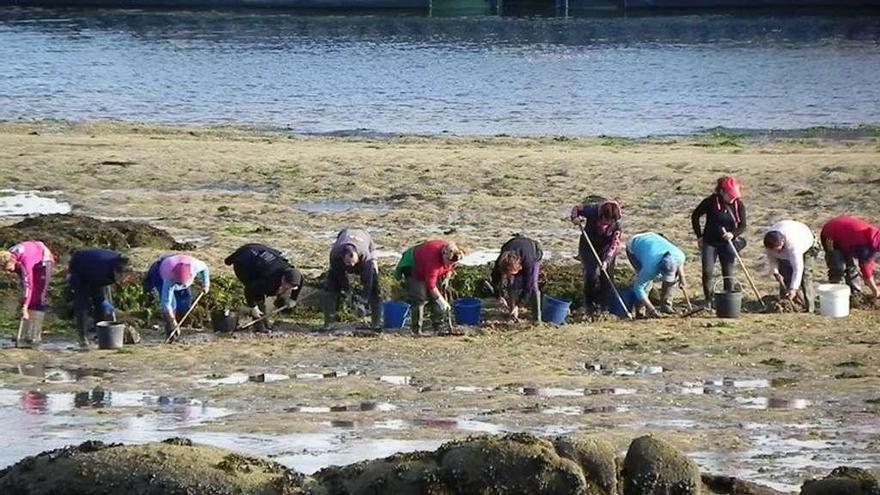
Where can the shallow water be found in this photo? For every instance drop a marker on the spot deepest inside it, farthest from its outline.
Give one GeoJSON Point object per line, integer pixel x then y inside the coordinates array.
{"type": "Point", "coordinates": [19, 203]}
{"type": "Point", "coordinates": [628, 76]}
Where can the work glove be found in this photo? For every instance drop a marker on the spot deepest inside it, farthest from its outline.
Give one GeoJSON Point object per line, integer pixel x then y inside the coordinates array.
{"type": "Point", "coordinates": [106, 307]}
{"type": "Point", "coordinates": [284, 303]}
{"type": "Point", "coordinates": [443, 305]}
{"type": "Point", "coordinates": [255, 312]}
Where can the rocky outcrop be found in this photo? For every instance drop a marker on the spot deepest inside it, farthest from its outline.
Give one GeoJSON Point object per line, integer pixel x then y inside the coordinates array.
{"type": "Point", "coordinates": [172, 467]}
{"type": "Point", "coordinates": [654, 467]}
{"type": "Point", "coordinates": [843, 481]}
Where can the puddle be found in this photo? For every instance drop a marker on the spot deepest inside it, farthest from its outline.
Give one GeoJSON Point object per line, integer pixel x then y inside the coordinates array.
{"type": "Point", "coordinates": [637, 370]}
{"type": "Point", "coordinates": [9, 343]}
{"type": "Point", "coordinates": [471, 389]}
{"type": "Point", "coordinates": [37, 421]}
{"type": "Point", "coordinates": [610, 391]}
{"type": "Point", "coordinates": [340, 206]}
{"type": "Point", "coordinates": [480, 257]}
{"type": "Point", "coordinates": [552, 392]}
{"type": "Point", "coordinates": [363, 406]}
{"type": "Point", "coordinates": [744, 383]}
{"type": "Point", "coordinates": [396, 379]}
{"type": "Point", "coordinates": [55, 374]}
{"type": "Point", "coordinates": [458, 424]}
{"type": "Point", "coordinates": [694, 388]}
{"type": "Point", "coordinates": [268, 378]}
{"type": "Point", "coordinates": [782, 456]}
{"type": "Point", "coordinates": [772, 403]}
{"type": "Point", "coordinates": [380, 253]}
{"type": "Point", "coordinates": [18, 203]}
{"type": "Point", "coordinates": [233, 379]}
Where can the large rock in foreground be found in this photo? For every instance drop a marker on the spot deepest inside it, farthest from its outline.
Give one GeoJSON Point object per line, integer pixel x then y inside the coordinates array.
{"type": "Point", "coordinates": [654, 467]}
{"type": "Point", "coordinates": [166, 468]}
{"type": "Point", "coordinates": [843, 481]}
{"type": "Point", "coordinates": [512, 464]}
{"type": "Point", "coordinates": [516, 463]}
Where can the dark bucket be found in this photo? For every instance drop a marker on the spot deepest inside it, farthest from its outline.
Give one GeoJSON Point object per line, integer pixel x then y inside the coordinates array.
{"type": "Point", "coordinates": [111, 334]}
{"type": "Point", "coordinates": [224, 321]}
{"type": "Point", "coordinates": [728, 304]}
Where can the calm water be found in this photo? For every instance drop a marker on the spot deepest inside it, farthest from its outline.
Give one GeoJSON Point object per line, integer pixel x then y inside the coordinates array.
{"type": "Point", "coordinates": [415, 74]}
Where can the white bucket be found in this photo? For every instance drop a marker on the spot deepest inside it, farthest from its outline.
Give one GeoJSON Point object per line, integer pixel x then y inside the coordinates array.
{"type": "Point", "coordinates": [833, 300]}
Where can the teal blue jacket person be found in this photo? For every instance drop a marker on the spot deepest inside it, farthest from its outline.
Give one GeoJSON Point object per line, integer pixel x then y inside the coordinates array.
{"type": "Point", "coordinates": [653, 257]}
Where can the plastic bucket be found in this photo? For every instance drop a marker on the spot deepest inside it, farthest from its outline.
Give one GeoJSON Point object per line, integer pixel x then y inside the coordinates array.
{"type": "Point", "coordinates": [111, 334]}
{"type": "Point", "coordinates": [833, 300]}
{"type": "Point", "coordinates": [224, 321]}
{"type": "Point", "coordinates": [467, 311]}
{"type": "Point", "coordinates": [728, 304]}
{"type": "Point", "coordinates": [394, 314]}
{"type": "Point", "coordinates": [554, 310]}
{"type": "Point", "coordinates": [629, 298]}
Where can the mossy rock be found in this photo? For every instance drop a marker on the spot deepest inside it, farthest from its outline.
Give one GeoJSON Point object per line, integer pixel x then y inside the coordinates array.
{"type": "Point", "coordinates": [64, 234]}
{"type": "Point", "coordinates": [516, 463]}
{"type": "Point", "coordinates": [728, 485]}
{"type": "Point", "coordinates": [405, 474]}
{"type": "Point", "coordinates": [596, 456]}
{"type": "Point", "coordinates": [654, 467]}
{"type": "Point", "coordinates": [176, 467]}
{"type": "Point", "coordinates": [843, 481]}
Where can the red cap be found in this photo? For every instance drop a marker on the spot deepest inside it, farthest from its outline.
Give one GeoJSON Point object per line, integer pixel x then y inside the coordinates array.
{"type": "Point", "coordinates": [730, 186]}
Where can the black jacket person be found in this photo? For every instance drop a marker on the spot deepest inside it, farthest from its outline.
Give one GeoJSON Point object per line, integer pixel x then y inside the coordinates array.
{"type": "Point", "coordinates": [725, 215]}
{"type": "Point", "coordinates": [90, 274]}
{"type": "Point", "coordinates": [353, 252]}
{"type": "Point", "coordinates": [516, 273]}
{"type": "Point", "coordinates": [265, 272]}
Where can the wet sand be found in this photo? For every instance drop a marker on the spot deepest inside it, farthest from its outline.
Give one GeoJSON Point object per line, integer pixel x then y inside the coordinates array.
{"type": "Point", "coordinates": [772, 398]}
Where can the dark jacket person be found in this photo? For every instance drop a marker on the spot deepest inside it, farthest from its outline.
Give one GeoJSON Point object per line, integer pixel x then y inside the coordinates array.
{"type": "Point", "coordinates": [265, 273]}
{"type": "Point", "coordinates": [91, 273]}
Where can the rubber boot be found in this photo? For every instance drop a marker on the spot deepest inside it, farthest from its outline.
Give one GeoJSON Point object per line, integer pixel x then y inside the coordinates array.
{"type": "Point", "coordinates": [25, 340]}
{"type": "Point", "coordinates": [417, 319]}
{"type": "Point", "coordinates": [330, 303]}
{"type": "Point", "coordinates": [666, 298]}
{"type": "Point", "coordinates": [35, 332]}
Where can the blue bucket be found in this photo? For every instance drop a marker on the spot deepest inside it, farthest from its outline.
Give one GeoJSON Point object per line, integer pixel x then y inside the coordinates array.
{"type": "Point", "coordinates": [467, 311]}
{"type": "Point", "coordinates": [629, 298]}
{"type": "Point", "coordinates": [554, 310]}
{"type": "Point", "coordinates": [394, 314]}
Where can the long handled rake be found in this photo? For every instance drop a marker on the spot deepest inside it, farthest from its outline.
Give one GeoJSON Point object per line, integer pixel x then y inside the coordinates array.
{"type": "Point", "coordinates": [629, 315]}
{"type": "Point", "coordinates": [174, 333]}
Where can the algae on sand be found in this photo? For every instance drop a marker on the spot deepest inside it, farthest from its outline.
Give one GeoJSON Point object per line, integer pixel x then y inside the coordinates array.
{"type": "Point", "coordinates": [65, 233]}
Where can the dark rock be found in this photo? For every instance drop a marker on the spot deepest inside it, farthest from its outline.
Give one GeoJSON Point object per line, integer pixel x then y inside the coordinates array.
{"type": "Point", "coordinates": [516, 463]}
{"type": "Point", "coordinates": [183, 442]}
{"type": "Point", "coordinates": [727, 485]}
{"type": "Point", "coordinates": [654, 467]}
{"type": "Point", "coordinates": [596, 456]}
{"type": "Point", "coordinates": [171, 467]}
{"type": "Point", "coordinates": [843, 481]}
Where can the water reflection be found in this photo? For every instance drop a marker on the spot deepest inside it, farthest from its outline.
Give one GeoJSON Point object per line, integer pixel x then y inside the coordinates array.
{"type": "Point", "coordinates": [415, 74]}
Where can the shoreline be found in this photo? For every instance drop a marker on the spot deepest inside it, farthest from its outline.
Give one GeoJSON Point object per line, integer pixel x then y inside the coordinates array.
{"type": "Point", "coordinates": [831, 132]}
